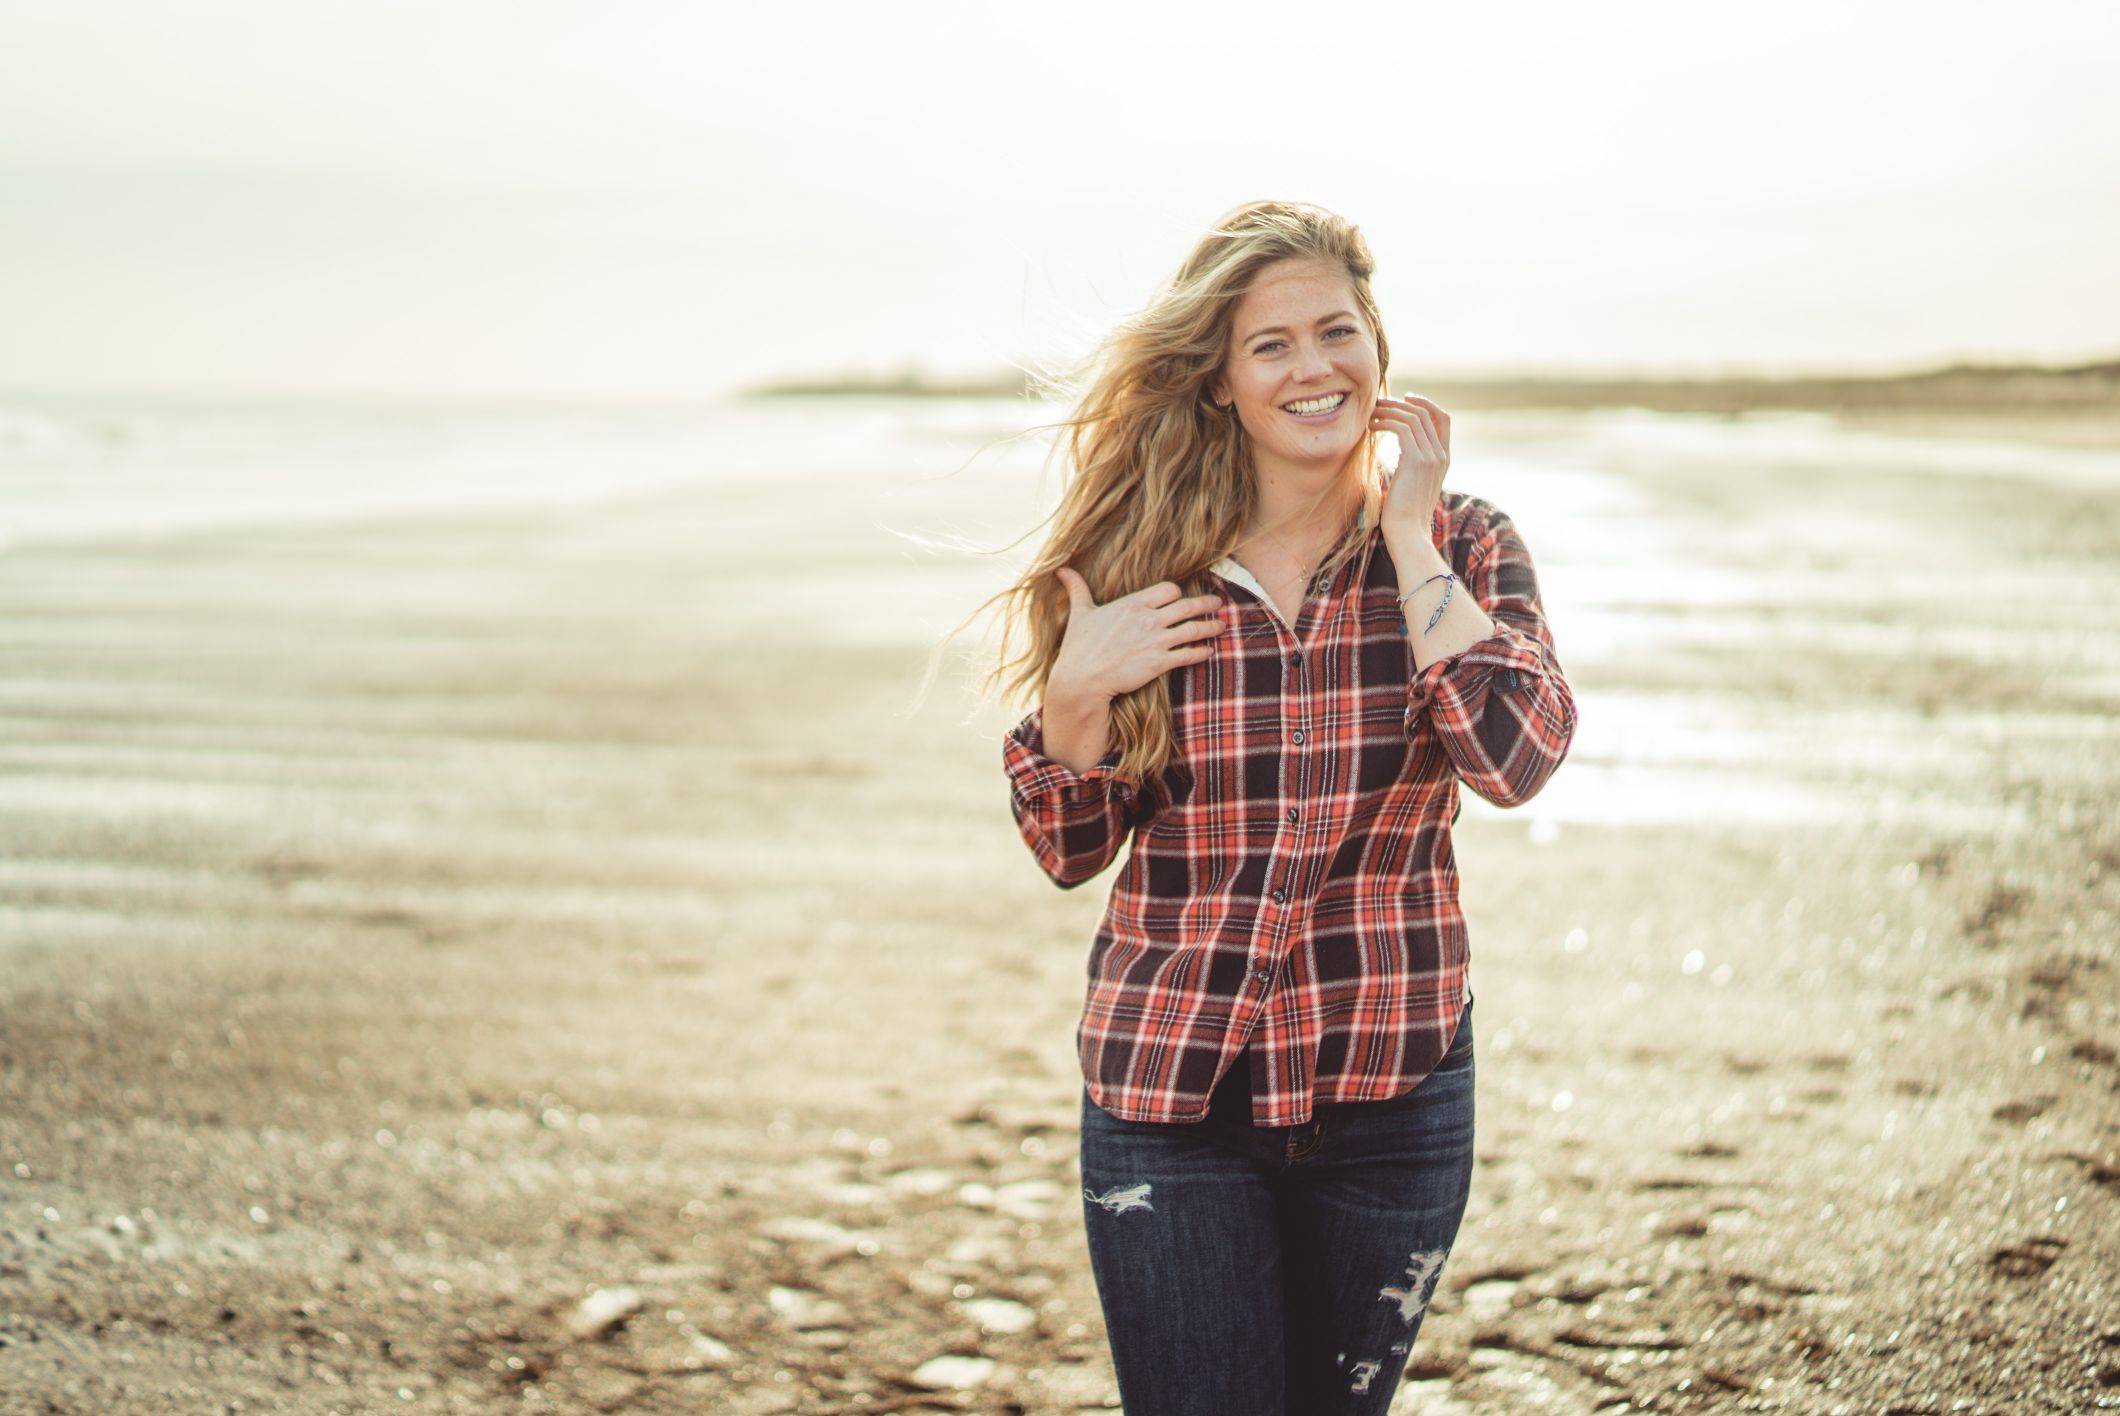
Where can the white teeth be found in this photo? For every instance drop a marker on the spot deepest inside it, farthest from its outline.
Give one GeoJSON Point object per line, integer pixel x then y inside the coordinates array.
{"type": "Point", "coordinates": [1316, 405]}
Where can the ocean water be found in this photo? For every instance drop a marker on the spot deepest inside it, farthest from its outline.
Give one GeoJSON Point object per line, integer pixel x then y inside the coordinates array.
{"type": "Point", "coordinates": [90, 469]}
{"type": "Point", "coordinates": [80, 467]}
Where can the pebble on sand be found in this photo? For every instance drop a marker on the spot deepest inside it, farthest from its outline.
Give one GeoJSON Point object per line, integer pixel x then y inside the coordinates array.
{"type": "Point", "coordinates": [939, 1373]}
{"type": "Point", "coordinates": [827, 1237]}
{"type": "Point", "coordinates": [604, 1312]}
{"type": "Point", "coordinates": [804, 1309]}
{"type": "Point", "coordinates": [1003, 1315]}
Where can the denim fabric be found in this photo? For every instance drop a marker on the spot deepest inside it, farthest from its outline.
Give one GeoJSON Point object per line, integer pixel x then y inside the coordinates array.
{"type": "Point", "coordinates": [1275, 1270]}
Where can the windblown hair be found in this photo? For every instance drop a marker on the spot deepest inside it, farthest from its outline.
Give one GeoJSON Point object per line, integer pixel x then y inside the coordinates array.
{"type": "Point", "coordinates": [1160, 479]}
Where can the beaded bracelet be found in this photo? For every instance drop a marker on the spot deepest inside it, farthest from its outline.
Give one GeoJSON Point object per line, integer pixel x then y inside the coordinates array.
{"type": "Point", "coordinates": [1447, 588]}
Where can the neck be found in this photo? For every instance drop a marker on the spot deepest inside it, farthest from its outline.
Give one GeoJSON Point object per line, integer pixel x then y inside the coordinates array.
{"type": "Point", "coordinates": [1303, 503]}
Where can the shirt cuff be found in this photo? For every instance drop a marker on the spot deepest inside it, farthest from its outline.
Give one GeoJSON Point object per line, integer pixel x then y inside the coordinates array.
{"type": "Point", "coordinates": [1508, 648]}
{"type": "Point", "coordinates": [1032, 774]}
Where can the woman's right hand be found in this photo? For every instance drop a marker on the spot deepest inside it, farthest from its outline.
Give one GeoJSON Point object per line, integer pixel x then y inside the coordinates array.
{"type": "Point", "coordinates": [1115, 648]}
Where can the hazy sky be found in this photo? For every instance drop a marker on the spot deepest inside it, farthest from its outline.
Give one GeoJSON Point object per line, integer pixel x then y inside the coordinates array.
{"type": "Point", "coordinates": [636, 198]}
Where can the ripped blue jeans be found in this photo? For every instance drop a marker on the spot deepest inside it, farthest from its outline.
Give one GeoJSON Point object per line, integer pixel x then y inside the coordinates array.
{"type": "Point", "coordinates": [1276, 1270]}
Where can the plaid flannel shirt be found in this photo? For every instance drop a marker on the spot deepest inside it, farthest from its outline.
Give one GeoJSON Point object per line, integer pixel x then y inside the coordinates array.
{"type": "Point", "coordinates": [1291, 882]}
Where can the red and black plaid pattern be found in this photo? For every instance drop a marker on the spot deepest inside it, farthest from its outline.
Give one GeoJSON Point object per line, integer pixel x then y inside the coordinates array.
{"type": "Point", "coordinates": [1291, 881]}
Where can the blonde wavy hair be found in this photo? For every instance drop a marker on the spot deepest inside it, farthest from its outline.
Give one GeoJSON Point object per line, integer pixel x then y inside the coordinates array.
{"type": "Point", "coordinates": [1159, 482]}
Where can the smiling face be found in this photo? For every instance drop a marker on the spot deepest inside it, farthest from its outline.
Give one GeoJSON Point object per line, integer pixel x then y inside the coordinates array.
{"type": "Point", "coordinates": [1299, 337]}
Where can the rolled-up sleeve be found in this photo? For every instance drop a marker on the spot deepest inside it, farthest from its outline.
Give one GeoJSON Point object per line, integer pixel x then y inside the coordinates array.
{"type": "Point", "coordinates": [1501, 707]}
{"type": "Point", "coordinates": [1073, 822]}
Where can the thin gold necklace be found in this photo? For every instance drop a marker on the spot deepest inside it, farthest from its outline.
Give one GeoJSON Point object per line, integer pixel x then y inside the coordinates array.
{"type": "Point", "coordinates": [1295, 556]}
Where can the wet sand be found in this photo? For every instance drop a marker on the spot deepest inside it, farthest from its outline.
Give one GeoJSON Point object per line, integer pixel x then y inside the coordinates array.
{"type": "Point", "coordinates": [416, 927]}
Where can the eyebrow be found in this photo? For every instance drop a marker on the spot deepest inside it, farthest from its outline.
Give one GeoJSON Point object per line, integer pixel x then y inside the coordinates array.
{"type": "Point", "coordinates": [1283, 329]}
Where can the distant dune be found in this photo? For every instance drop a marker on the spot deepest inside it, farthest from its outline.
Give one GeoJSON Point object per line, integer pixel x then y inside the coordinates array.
{"type": "Point", "coordinates": [1991, 388]}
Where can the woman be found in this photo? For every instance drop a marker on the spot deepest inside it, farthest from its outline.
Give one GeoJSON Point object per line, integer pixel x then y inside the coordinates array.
{"type": "Point", "coordinates": [1271, 661]}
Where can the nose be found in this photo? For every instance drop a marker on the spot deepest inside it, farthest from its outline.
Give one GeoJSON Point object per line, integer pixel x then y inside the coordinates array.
{"type": "Point", "coordinates": [1316, 363]}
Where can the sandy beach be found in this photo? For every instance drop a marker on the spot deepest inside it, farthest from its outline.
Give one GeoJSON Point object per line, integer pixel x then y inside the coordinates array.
{"type": "Point", "coordinates": [532, 953]}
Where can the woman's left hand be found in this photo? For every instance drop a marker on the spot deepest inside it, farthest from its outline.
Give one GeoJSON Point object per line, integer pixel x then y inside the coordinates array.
{"type": "Point", "coordinates": [1424, 457]}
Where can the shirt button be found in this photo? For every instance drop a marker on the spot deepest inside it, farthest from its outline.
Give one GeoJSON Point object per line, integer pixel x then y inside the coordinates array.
{"type": "Point", "coordinates": [1293, 813]}
{"type": "Point", "coordinates": [1262, 973]}
{"type": "Point", "coordinates": [1295, 660]}
{"type": "Point", "coordinates": [1280, 895]}
{"type": "Point", "coordinates": [1296, 736]}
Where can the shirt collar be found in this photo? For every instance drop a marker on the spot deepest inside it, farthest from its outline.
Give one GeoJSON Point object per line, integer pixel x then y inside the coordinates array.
{"type": "Point", "coordinates": [1230, 570]}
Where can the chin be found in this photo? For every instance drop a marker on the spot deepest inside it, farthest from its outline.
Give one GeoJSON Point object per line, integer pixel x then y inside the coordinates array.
{"type": "Point", "coordinates": [1322, 450]}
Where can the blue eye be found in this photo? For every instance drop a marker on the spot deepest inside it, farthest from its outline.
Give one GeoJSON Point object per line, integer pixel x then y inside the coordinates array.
{"type": "Point", "coordinates": [1336, 329]}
